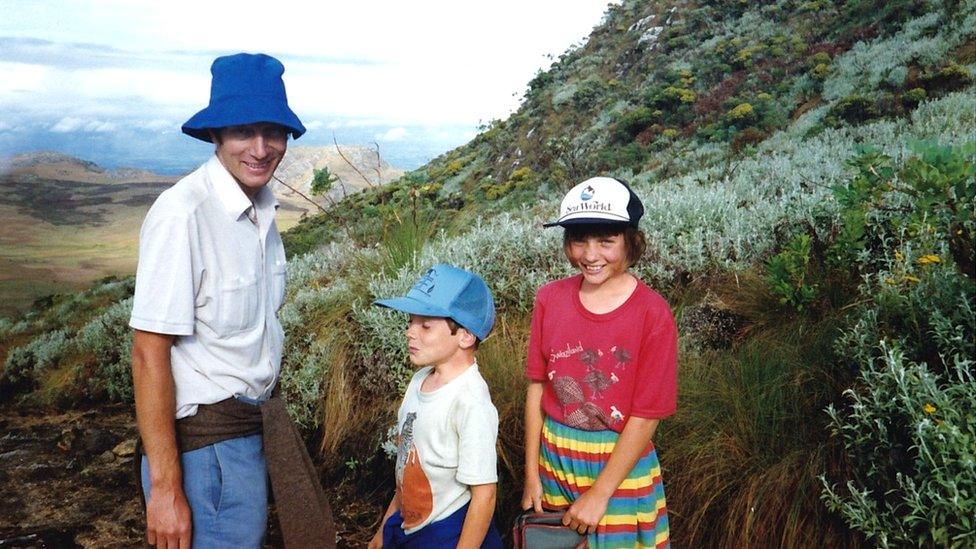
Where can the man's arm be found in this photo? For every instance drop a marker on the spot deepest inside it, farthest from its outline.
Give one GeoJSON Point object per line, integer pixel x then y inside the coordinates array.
{"type": "Point", "coordinates": [480, 511]}
{"type": "Point", "coordinates": [590, 507]}
{"type": "Point", "coordinates": [377, 541]}
{"type": "Point", "coordinates": [168, 522]}
{"type": "Point", "coordinates": [532, 490]}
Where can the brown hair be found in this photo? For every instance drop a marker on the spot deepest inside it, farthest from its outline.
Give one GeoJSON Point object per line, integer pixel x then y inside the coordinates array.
{"type": "Point", "coordinates": [634, 240]}
{"type": "Point", "coordinates": [454, 326]}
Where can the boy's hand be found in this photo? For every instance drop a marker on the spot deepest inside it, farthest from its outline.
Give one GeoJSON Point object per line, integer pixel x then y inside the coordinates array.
{"type": "Point", "coordinates": [532, 494]}
{"type": "Point", "coordinates": [377, 541]}
{"type": "Point", "coordinates": [585, 513]}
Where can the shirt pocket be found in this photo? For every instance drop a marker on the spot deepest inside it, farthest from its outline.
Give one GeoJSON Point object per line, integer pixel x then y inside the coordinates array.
{"type": "Point", "coordinates": [279, 282]}
{"type": "Point", "coordinates": [237, 310]}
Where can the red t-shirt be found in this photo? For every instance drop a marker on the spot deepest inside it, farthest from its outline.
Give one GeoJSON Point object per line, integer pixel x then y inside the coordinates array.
{"type": "Point", "coordinates": [600, 369]}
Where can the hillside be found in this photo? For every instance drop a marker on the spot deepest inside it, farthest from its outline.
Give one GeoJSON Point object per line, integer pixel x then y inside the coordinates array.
{"type": "Point", "coordinates": [71, 222]}
{"type": "Point", "coordinates": [807, 171]}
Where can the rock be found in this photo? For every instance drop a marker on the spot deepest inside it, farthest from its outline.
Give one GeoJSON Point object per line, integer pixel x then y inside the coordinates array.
{"type": "Point", "coordinates": [126, 448]}
{"type": "Point", "coordinates": [106, 457]}
{"type": "Point", "coordinates": [96, 441]}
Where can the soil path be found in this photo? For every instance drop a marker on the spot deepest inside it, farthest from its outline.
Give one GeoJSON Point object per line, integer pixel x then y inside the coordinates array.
{"type": "Point", "coordinates": [66, 479]}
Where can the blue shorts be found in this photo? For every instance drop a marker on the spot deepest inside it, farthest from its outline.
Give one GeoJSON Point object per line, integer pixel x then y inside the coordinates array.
{"type": "Point", "coordinates": [442, 533]}
{"type": "Point", "coordinates": [226, 486]}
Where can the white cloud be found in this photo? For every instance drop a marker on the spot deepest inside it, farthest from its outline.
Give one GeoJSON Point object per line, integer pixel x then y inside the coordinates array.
{"type": "Point", "coordinates": [73, 124]}
{"type": "Point", "coordinates": [100, 126]}
{"type": "Point", "coordinates": [67, 124]}
{"type": "Point", "coordinates": [313, 125]}
{"type": "Point", "coordinates": [157, 124]}
{"type": "Point", "coordinates": [393, 134]}
{"type": "Point", "coordinates": [22, 77]}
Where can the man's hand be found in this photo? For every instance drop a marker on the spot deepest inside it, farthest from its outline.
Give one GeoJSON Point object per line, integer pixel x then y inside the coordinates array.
{"type": "Point", "coordinates": [532, 493]}
{"type": "Point", "coordinates": [168, 524]}
{"type": "Point", "coordinates": [585, 513]}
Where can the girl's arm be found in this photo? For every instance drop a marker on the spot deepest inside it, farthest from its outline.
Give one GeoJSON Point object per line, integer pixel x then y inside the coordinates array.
{"type": "Point", "coordinates": [532, 490]}
{"type": "Point", "coordinates": [377, 541]}
{"type": "Point", "coordinates": [590, 507]}
{"type": "Point", "coordinates": [478, 519]}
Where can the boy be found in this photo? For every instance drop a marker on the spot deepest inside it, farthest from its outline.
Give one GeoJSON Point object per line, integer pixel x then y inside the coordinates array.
{"type": "Point", "coordinates": [447, 425]}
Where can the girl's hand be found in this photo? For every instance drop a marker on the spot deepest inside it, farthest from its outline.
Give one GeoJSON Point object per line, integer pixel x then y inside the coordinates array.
{"type": "Point", "coordinates": [532, 494]}
{"type": "Point", "coordinates": [585, 513]}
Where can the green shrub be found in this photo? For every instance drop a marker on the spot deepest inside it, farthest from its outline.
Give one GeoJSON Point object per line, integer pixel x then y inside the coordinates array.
{"type": "Point", "coordinates": [788, 276]}
{"type": "Point", "coordinates": [909, 425]}
{"type": "Point", "coordinates": [107, 341]}
{"type": "Point", "coordinates": [911, 98]}
{"type": "Point", "coordinates": [634, 122]}
{"type": "Point", "coordinates": [912, 435]}
{"type": "Point", "coordinates": [950, 77]}
{"type": "Point", "coordinates": [852, 109]}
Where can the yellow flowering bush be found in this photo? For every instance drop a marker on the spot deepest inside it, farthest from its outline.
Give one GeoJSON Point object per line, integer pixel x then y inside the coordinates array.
{"type": "Point", "coordinates": [742, 111]}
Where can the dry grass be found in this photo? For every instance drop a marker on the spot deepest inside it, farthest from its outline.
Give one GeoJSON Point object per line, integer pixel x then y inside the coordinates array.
{"type": "Point", "coordinates": [742, 454]}
{"type": "Point", "coordinates": [501, 360]}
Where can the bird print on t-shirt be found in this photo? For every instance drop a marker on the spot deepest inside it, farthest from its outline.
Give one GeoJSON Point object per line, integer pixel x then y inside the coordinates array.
{"type": "Point", "coordinates": [416, 497]}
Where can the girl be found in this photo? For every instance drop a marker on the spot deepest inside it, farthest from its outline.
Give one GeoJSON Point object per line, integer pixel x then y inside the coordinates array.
{"type": "Point", "coordinates": [602, 373]}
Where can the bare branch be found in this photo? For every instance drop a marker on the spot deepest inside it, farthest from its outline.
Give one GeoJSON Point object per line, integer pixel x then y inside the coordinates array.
{"type": "Point", "coordinates": [351, 165]}
{"type": "Point", "coordinates": [379, 176]}
{"type": "Point", "coordinates": [301, 194]}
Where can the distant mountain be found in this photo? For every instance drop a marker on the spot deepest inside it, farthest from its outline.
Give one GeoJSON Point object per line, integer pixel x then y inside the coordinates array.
{"type": "Point", "coordinates": [55, 166]}
{"type": "Point", "coordinates": [362, 168]}
{"type": "Point", "coordinates": [69, 221]}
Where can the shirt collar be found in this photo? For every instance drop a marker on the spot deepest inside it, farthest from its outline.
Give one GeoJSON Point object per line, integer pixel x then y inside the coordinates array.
{"type": "Point", "coordinates": [230, 194]}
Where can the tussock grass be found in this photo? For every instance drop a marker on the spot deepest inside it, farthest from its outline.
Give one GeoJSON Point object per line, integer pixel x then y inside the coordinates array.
{"type": "Point", "coordinates": [501, 360]}
{"type": "Point", "coordinates": [743, 452]}
{"type": "Point", "coordinates": [402, 240]}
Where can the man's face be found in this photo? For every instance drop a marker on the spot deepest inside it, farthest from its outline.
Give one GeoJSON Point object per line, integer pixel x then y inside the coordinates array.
{"type": "Point", "coordinates": [251, 153]}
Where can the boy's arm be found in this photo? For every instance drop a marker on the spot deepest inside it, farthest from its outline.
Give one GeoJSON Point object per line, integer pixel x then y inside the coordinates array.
{"type": "Point", "coordinates": [590, 507]}
{"type": "Point", "coordinates": [377, 541]}
{"type": "Point", "coordinates": [532, 490]}
{"type": "Point", "coordinates": [478, 519]}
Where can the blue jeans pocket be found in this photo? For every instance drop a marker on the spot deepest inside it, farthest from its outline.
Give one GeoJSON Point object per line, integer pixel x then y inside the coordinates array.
{"type": "Point", "coordinates": [216, 480]}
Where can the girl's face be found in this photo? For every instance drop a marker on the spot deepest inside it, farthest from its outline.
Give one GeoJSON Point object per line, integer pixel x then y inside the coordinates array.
{"type": "Point", "coordinates": [599, 258]}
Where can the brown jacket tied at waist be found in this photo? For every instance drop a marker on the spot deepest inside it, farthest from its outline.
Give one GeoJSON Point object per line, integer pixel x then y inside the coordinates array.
{"type": "Point", "coordinates": [303, 511]}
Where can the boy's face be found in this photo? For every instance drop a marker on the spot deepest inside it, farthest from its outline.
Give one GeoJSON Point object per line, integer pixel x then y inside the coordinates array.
{"type": "Point", "coordinates": [430, 342]}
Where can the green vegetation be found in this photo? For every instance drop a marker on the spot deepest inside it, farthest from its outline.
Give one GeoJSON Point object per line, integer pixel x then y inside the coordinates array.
{"type": "Point", "coordinates": [807, 171]}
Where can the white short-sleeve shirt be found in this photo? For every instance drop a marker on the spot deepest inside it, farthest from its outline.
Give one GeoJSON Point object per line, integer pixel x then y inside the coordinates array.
{"type": "Point", "coordinates": [210, 276]}
{"type": "Point", "coordinates": [446, 443]}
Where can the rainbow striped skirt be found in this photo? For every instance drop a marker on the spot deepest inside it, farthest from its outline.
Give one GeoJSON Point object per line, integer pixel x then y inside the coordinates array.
{"type": "Point", "coordinates": [570, 460]}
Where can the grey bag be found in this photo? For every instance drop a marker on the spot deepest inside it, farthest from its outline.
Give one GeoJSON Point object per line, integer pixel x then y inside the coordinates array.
{"type": "Point", "coordinates": [545, 531]}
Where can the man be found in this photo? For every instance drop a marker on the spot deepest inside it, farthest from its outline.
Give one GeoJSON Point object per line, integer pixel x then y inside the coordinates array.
{"type": "Point", "coordinates": [207, 346]}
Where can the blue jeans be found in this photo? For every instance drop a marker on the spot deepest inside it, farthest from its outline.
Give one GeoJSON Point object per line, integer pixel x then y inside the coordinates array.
{"type": "Point", "coordinates": [226, 485]}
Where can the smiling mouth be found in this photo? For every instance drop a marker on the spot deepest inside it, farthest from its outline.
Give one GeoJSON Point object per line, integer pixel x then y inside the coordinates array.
{"type": "Point", "coordinates": [593, 268]}
{"type": "Point", "coordinates": [258, 166]}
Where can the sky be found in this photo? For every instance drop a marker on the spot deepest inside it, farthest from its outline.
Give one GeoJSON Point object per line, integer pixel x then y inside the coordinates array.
{"type": "Point", "coordinates": [112, 80]}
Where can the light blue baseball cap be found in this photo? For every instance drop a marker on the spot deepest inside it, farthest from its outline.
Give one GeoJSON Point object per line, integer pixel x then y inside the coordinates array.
{"type": "Point", "coordinates": [449, 292]}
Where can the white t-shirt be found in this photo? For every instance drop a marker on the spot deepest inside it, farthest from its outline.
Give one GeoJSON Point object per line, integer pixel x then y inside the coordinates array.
{"type": "Point", "coordinates": [210, 276]}
{"type": "Point", "coordinates": [446, 443]}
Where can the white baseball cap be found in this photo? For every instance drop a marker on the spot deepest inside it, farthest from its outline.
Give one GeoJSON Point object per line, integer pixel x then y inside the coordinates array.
{"type": "Point", "coordinates": [599, 200]}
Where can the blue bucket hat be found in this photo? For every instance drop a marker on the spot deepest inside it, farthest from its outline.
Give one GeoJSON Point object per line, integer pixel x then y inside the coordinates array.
{"type": "Point", "coordinates": [449, 292]}
{"type": "Point", "coordinates": [246, 89]}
